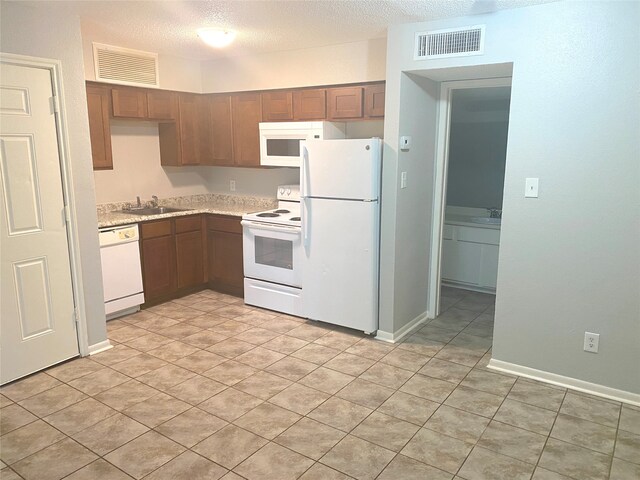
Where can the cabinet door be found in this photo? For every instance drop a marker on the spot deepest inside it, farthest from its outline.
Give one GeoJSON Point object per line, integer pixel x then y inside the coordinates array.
{"type": "Point", "coordinates": [189, 259]}
{"type": "Point", "coordinates": [220, 133]}
{"type": "Point", "coordinates": [99, 129]}
{"type": "Point", "coordinates": [246, 114]}
{"type": "Point", "coordinates": [489, 266]}
{"type": "Point", "coordinates": [374, 100]}
{"type": "Point", "coordinates": [158, 267]}
{"type": "Point", "coordinates": [188, 125]}
{"type": "Point", "coordinates": [461, 261]}
{"type": "Point", "coordinates": [345, 102]}
{"type": "Point", "coordinates": [129, 102]}
{"type": "Point", "coordinates": [310, 104]}
{"type": "Point", "coordinates": [225, 260]}
{"type": "Point", "coordinates": [277, 106]}
{"type": "Point", "coordinates": [161, 105]}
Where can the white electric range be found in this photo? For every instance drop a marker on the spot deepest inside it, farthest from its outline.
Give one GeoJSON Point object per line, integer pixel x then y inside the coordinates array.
{"type": "Point", "coordinates": [273, 255]}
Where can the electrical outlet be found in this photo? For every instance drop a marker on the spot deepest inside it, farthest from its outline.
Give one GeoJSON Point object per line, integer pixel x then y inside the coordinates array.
{"type": "Point", "coordinates": [232, 185]}
{"type": "Point", "coordinates": [591, 341]}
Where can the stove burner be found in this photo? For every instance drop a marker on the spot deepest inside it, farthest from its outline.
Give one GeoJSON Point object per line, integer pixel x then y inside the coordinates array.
{"type": "Point", "coordinates": [267, 214]}
{"type": "Point", "coordinates": [282, 211]}
{"type": "Point", "coordinates": [295, 219]}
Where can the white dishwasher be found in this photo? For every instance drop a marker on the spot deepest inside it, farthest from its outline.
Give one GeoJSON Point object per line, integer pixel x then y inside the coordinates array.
{"type": "Point", "coordinates": [121, 271]}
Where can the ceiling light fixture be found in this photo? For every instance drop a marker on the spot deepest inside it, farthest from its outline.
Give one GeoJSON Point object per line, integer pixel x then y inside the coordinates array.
{"type": "Point", "coordinates": [216, 37]}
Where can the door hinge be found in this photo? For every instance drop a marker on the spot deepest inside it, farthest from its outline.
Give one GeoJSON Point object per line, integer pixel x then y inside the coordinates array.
{"type": "Point", "coordinates": [55, 105]}
{"type": "Point", "coordinates": [67, 214]}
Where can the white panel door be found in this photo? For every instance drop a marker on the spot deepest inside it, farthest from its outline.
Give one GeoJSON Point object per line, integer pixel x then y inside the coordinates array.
{"type": "Point", "coordinates": [38, 324]}
{"type": "Point", "coordinates": [341, 168]}
{"type": "Point", "coordinates": [340, 271]}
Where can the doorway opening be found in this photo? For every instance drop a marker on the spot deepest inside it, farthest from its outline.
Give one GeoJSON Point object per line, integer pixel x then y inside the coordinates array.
{"type": "Point", "coordinates": [470, 168]}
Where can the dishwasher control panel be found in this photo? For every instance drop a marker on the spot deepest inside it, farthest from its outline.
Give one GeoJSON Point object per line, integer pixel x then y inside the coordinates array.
{"type": "Point", "coordinates": [115, 235]}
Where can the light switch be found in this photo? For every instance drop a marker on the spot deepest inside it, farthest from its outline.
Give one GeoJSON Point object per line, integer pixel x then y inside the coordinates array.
{"type": "Point", "coordinates": [531, 188]}
{"type": "Point", "coordinates": [403, 180]}
{"type": "Point", "coordinates": [405, 143]}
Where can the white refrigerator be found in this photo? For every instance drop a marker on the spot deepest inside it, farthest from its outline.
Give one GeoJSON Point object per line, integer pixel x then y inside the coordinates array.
{"type": "Point", "coordinates": [340, 211]}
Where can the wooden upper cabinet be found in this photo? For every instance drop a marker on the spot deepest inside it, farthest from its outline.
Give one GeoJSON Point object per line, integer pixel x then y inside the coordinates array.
{"type": "Point", "coordinates": [187, 141]}
{"type": "Point", "coordinates": [374, 100]}
{"type": "Point", "coordinates": [99, 106]}
{"type": "Point", "coordinates": [161, 105]}
{"type": "Point", "coordinates": [246, 114]}
{"type": "Point", "coordinates": [221, 137]}
{"type": "Point", "coordinates": [310, 104]}
{"type": "Point", "coordinates": [188, 129]}
{"type": "Point", "coordinates": [129, 102]}
{"type": "Point", "coordinates": [277, 106]}
{"type": "Point", "coordinates": [344, 102]}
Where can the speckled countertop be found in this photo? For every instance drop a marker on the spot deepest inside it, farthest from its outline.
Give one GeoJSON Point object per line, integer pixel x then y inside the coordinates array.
{"type": "Point", "coordinates": [465, 221]}
{"type": "Point", "coordinates": [111, 214]}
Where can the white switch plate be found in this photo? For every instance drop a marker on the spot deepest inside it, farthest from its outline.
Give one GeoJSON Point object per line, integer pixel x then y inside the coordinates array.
{"type": "Point", "coordinates": [405, 143]}
{"type": "Point", "coordinates": [531, 188]}
{"type": "Point", "coordinates": [591, 342]}
{"type": "Point", "coordinates": [403, 180]}
{"type": "Point", "coordinates": [232, 185]}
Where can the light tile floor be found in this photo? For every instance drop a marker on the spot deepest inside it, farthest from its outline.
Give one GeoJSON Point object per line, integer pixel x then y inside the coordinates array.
{"type": "Point", "coordinates": [205, 388]}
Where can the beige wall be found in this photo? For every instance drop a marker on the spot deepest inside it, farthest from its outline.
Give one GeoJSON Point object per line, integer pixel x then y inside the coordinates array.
{"type": "Point", "coordinates": [174, 73]}
{"type": "Point", "coordinates": [136, 150]}
{"type": "Point", "coordinates": [344, 63]}
{"type": "Point", "coordinates": [51, 33]}
{"type": "Point", "coordinates": [137, 171]}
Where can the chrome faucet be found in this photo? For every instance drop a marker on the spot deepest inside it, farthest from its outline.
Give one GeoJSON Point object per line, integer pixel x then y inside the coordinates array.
{"type": "Point", "coordinates": [154, 201]}
{"type": "Point", "coordinates": [139, 204]}
{"type": "Point", "coordinates": [494, 212]}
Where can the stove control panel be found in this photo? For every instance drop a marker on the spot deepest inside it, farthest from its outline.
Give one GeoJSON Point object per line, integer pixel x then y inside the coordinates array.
{"type": "Point", "coordinates": [289, 192]}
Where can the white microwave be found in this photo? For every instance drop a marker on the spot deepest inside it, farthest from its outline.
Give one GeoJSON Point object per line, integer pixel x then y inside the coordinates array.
{"type": "Point", "coordinates": [280, 141]}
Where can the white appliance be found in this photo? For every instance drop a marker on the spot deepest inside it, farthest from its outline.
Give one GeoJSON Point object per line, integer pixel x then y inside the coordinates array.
{"type": "Point", "coordinates": [272, 255]}
{"type": "Point", "coordinates": [121, 271]}
{"type": "Point", "coordinates": [280, 141]}
{"type": "Point", "coordinates": [340, 191]}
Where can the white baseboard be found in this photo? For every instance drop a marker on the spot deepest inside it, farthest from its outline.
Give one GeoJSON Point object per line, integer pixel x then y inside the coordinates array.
{"type": "Point", "coordinates": [395, 337]}
{"type": "Point", "coordinates": [99, 347]}
{"type": "Point", "coordinates": [566, 382]}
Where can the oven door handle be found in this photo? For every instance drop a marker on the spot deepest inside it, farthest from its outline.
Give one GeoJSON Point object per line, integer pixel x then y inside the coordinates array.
{"type": "Point", "coordinates": [269, 226]}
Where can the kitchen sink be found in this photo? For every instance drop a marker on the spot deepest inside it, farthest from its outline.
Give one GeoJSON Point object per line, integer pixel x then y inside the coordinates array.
{"type": "Point", "coordinates": [153, 210]}
{"type": "Point", "coordinates": [487, 220]}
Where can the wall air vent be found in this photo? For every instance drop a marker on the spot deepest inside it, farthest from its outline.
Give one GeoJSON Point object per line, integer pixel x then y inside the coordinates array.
{"type": "Point", "coordinates": [125, 66]}
{"type": "Point", "coordinates": [452, 42]}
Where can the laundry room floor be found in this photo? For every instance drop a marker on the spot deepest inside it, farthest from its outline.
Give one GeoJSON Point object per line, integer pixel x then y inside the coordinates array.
{"type": "Point", "coordinates": [205, 387]}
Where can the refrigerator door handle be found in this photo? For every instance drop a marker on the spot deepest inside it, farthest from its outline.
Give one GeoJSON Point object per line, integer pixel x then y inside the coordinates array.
{"type": "Point", "coordinates": [304, 187]}
{"type": "Point", "coordinates": [305, 223]}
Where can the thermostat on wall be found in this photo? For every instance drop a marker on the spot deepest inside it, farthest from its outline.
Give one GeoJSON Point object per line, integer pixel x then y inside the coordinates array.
{"type": "Point", "coordinates": [405, 143]}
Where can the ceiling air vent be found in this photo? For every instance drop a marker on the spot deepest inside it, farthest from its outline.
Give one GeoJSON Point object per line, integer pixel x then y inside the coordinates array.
{"type": "Point", "coordinates": [125, 66]}
{"type": "Point", "coordinates": [452, 42]}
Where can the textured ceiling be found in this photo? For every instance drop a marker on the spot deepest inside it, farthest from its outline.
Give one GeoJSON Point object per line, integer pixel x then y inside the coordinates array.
{"type": "Point", "coordinates": [263, 26]}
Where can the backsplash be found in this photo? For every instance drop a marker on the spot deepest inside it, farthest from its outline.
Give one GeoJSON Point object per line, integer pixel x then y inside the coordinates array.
{"type": "Point", "coordinates": [259, 203]}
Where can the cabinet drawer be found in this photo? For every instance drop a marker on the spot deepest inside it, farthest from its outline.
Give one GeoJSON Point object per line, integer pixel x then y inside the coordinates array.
{"type": "Point", "coordinates": [224, 224]}
{"type": "Point", "coordinates": [188, 224]}
{"type": "Point", "coordinates": [478, 235]}
{"type": "Point", "coordinates": [159, 228]}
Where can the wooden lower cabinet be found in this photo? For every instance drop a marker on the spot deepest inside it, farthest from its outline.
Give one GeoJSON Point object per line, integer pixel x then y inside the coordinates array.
{"type": "Point", "coordinates": [224, 250]}
{"type": "Point", "coordinates": [189, 251]}
{"type": "Point", "coordinates": [158, 267]}
{"type": "Point", "coordinates": [185, 254]}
